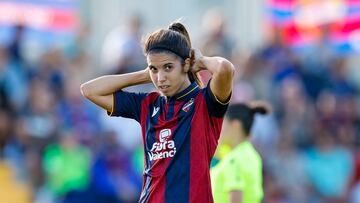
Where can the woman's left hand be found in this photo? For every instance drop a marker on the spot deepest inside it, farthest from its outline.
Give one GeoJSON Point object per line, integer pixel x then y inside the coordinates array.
{"type": "Point", "coordinates": [197, 57]}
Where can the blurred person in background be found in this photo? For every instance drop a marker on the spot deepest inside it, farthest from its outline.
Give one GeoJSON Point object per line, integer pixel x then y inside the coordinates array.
{"type": "Point", "coordinates": [67, 169]}
{"type": "Point", "coordinates": [328, 156]}
{"type": "Point", "coordinates": [73, 112]}
{"type": "Point", "coordinates": [37, 128]}
{"type": "Point", "coordinates": [122, 51]}
{"type": "Point", "coordinates": [327, 159]}
{"type": "Point", "coordinates": [317, 62]}
{"type": "Point", "coordinates": [279, 58]}
{"type": "Point", "coordinates": [257, 75]}
{"type": "Point", "coordinates": [294, 111]}
{"type": "Point", "coordinates": [15, 47]}
{"type": "Point", "coordinates": [13, 82]}
{"type": "Point", "coordinates": [338, 78]}
{"type": "Point", "coordinates": [115, 180]}
{"type": "Point", "coordinates": [81, 44]}
{"type": "Point", "coordinates": [5, 130]}
{"type": "Point", "coordinates": [286, 167]}
{"type": "Point", "coordinates": [181, 123]}
{"type": "Point", "coordinates": [215, 41]}
{"type": "Point", "coordinates": [51, 69]}
{"type": "Point", "coordinates": [238, 177]}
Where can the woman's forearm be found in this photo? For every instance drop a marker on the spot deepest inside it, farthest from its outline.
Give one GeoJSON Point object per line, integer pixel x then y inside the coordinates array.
{"type": "Point", "coordinates": [217, 65]}
{"type": "Point", "coordinates": [109, 84]}
{"type": "Point", "coordinates": [222, 72]}
{"type": "Point", "coordinates": [100, 90]}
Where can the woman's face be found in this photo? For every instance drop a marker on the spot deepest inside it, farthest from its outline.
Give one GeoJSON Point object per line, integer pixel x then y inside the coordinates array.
{"type": "Point", "coordinates": [167, 73]}
{"type": "Point", "coordinates": [227, 131]}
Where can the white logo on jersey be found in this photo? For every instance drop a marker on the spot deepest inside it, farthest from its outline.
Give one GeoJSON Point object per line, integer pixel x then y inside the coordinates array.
{"type": "Point", "coordinates": [164, 135]}
{"type": "Point", "coordinates": [156, 109]}
{"type": "Point", "coordinates": [163, 149]}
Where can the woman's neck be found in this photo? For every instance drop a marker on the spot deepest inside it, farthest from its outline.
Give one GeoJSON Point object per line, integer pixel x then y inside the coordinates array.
{"type": "Point", "coordinates": [185, 84]}
{"type": "Point", "coordinates": [239, 139]}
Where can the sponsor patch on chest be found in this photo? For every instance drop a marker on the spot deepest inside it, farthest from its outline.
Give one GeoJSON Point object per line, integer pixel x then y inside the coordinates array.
{"type": "Point", "coordinates": [165, 148]}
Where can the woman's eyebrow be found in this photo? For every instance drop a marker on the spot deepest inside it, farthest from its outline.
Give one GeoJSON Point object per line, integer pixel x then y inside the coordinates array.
{"type": "Point", "coordinates": [167, 64]}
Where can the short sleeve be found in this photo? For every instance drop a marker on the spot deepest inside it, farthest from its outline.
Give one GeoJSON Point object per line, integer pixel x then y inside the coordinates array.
{"type": "Point", "coordinates": [234, 178]}
{"type": "Point", "coordinates": [127, 104]}
{"type": "Point", "coordinates": [216, 107]}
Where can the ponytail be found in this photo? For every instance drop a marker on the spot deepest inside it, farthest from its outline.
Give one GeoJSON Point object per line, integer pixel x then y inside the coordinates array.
{"type": "Point", "coordinates": [180, 28]}
{"type": "Point", "coordinates": [260, 107]}
{"type": "Point", "coordinates": [245, 113]}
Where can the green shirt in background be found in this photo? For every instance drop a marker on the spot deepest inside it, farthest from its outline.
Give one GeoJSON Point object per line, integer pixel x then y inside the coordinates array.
{"type": "Point", "coordinates": [241, 169]}
{"type": "Point", "coordinates": [67, 170]}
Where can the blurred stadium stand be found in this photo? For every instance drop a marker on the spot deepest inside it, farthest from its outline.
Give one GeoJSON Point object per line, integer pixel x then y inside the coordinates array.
{"type": "Point", "coordinates": [305, 62]}
{"type": "Point", "coordinates": [11, 189]}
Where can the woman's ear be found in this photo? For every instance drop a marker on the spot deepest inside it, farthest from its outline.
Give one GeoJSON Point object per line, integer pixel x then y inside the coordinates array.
{"type": "Point", "coordinates": [187, 65]}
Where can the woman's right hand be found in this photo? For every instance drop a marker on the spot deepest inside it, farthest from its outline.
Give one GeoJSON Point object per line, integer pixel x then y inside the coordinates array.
{"type": "Point", "coordinates": [147, 74]}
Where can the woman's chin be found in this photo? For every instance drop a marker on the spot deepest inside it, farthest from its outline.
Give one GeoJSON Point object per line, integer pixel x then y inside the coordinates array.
{"type": "Point", "coordinates": [166, 93]}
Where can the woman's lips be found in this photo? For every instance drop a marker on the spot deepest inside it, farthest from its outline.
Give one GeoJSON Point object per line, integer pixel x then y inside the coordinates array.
{"type": "Point", "coordinates": [164, 87]}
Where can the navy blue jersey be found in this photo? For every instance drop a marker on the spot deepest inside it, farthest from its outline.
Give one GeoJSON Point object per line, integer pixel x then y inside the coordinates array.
{"type": "Point", "coordinates": [180, 135]}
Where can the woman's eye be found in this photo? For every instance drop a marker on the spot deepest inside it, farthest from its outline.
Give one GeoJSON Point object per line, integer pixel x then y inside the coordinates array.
{"type": "Point", "coordinates": [152, 69]}
{"type": "Point", "coordinates": [168, 67]}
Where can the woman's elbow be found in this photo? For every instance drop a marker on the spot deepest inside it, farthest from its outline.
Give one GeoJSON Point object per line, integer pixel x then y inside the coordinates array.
{"type": "Point", "coordinates": [85, 90]}
{"type": "Point", "coordinates": [227, 69]}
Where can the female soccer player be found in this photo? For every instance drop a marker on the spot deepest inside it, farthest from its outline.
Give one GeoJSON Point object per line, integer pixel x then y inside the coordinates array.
{"type": "Point", "coordinates": [181, 123]}
{"type": "Point", "coordinates": [238, 177]}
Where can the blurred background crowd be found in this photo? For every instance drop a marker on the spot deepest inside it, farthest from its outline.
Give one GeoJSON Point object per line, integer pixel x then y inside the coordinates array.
{"type": "Point", "coordinates": [57, 147]}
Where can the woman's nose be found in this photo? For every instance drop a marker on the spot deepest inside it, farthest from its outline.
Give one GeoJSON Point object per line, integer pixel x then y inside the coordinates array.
{"type": "Point", "coordinates": [161, 76]}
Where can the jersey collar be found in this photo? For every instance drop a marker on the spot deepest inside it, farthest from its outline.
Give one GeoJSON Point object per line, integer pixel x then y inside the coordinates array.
{"type": "Point", "coordinates": [186, 92]}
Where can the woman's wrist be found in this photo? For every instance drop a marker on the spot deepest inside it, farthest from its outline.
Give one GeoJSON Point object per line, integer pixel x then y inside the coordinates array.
{"type": "Point", "coordinates": [145, 76]}
{"type": "Point", "coordinates": [202, 63]}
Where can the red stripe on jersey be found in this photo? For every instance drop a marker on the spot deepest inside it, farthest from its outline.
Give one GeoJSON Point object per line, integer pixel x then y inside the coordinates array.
{"type": "Point", "coordinates": [162, 118]}
{"type": "Point", "coordinates": [201, 153]}
{"type": "Point", "coordinates": [213, 141]}
{"type": "Point", "coordinates": [144, 116]}
{"type": "Point", "coordinates": [157, 195]}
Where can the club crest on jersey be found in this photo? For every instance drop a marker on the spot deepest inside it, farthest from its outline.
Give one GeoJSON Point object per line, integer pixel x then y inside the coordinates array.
{"type": "Point", "coordinates": [187, 105]}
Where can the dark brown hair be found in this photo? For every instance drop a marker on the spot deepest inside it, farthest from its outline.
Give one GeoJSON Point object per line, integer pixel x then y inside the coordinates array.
{"type": "Point", "coordinates": [173, 40]}
{"type": "Point", "coordinates": [246, 113]}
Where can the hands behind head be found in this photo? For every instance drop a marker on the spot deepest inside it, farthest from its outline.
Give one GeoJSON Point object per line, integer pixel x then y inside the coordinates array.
{"type": "Point", "coordinates": [196, 60]}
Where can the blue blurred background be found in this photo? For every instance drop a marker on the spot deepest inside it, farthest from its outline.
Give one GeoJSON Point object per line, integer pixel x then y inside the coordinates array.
{"type": "Point", "coordinates": [303, 56]}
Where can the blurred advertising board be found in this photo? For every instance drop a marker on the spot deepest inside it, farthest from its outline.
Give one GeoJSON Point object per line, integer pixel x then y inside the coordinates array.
{"type": "Point", "coordinates": [44, 21]}
{"type": "Point", "coordinates": [302, 23]}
